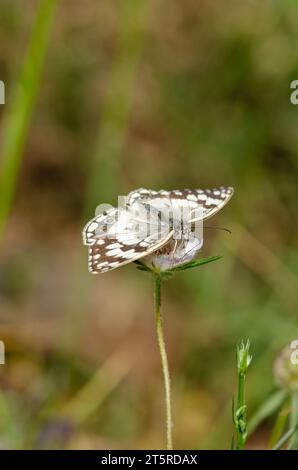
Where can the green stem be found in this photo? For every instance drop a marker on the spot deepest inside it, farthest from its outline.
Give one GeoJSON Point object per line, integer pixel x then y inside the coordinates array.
{"type": "Point", "coordinates": [241, 383]}
{"type": "Point", "coordinates": [241, 428]}
{"type": "Point", "coordinates": [293, 444]}
{"type": "Point", "coordinates": [164, 360]}
{"type": "Point", "coordinates": [240, 419]}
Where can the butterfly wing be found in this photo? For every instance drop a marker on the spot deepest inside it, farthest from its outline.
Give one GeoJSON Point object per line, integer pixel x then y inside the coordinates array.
{"type": "Point", "coordinates": [210, 201]}
{"type": "Point", "coordinates": [107, 254]}
{"type": "Point", "coordinates": [98, 226]}
{"type": "Point", "coordinates": [118, 238]}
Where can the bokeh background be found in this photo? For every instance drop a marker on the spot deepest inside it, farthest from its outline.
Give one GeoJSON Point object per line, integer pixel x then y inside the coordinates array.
{"type": "Point", "coordinates": [105, 97]}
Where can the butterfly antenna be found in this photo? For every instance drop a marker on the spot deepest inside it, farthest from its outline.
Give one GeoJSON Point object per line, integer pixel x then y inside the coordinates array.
{"type": "Point", "coordinates": [224, 229]}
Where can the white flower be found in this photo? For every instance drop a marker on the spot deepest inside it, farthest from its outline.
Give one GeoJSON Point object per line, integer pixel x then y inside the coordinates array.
{"type": "Point", "coordinates": [173, 254]}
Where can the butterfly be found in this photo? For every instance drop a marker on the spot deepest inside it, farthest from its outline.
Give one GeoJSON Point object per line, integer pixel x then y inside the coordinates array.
{"type": "Point", "coordinates": [147, 228]}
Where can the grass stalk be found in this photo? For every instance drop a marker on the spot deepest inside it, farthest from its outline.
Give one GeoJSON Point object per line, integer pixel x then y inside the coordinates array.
{"type": "Point", "coordinates": [19, 115]}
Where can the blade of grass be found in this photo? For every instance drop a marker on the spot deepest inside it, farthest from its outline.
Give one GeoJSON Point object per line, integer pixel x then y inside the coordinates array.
{"type": "Point", "coordinates": [279, 425]}
{"type": "Point", "coordinates": [293, 444]}
{"type": "Point", "coordinates": [19, 116]}
{"type": "Point", "coordinates": [284, 439]}
{"type": "Point", "coordinates": [267, 408]}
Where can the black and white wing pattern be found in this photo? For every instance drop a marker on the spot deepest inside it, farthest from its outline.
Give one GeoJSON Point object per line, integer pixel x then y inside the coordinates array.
{"type": "Point", "coordinates": [119, 237]}
{"type": "Point", "coordinates": [98, 226]}
{"type": "Point", "coordinates": [211, 201]}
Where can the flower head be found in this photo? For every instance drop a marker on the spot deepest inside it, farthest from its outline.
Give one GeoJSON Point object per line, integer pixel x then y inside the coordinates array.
{"type": "Point", "coordinates": [285, 367]}
{"type": "Point", "coordinates": [174, 253]}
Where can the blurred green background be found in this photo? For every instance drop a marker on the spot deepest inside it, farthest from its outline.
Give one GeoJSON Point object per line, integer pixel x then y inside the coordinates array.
{"type": "Point", "coordinates": [103, 97]}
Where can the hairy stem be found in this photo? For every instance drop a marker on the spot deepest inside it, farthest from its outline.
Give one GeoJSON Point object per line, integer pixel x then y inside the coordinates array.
{"type": "Point", "coordinates": [164, 360]}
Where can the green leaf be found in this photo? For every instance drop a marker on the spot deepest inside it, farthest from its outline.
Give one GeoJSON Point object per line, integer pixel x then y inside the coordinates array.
{"type": "Point", "coordinates": [279, 425]}
{"type": "Point", "coordinates": [267, 409]}
{"type": "Point", "coordinates": [195, 264]}
{"type": "Point", "coordinates": [284, 439]}
{"type": "Point", "coordinates": [141, 266]}
{"type": "Point", "coordinates": [182, 267]}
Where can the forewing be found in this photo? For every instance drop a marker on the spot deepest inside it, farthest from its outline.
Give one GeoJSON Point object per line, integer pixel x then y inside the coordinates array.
{"type": "Point", "coordinates": [210, 200]}
{"type": "Point", "coordinates": [143, 194]}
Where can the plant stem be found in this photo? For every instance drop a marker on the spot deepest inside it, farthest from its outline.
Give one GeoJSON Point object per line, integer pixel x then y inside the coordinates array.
{"type": "Point", "coordinates": [240, 419]}
{"type": "Point", "coordinates": [241, 383]}
{"type": "Point", "coordinates": [164, 360]}
{"type": "Point", "coordinates": [241, 428]}
{"type": "Point", "coordinates": [294, 420]}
